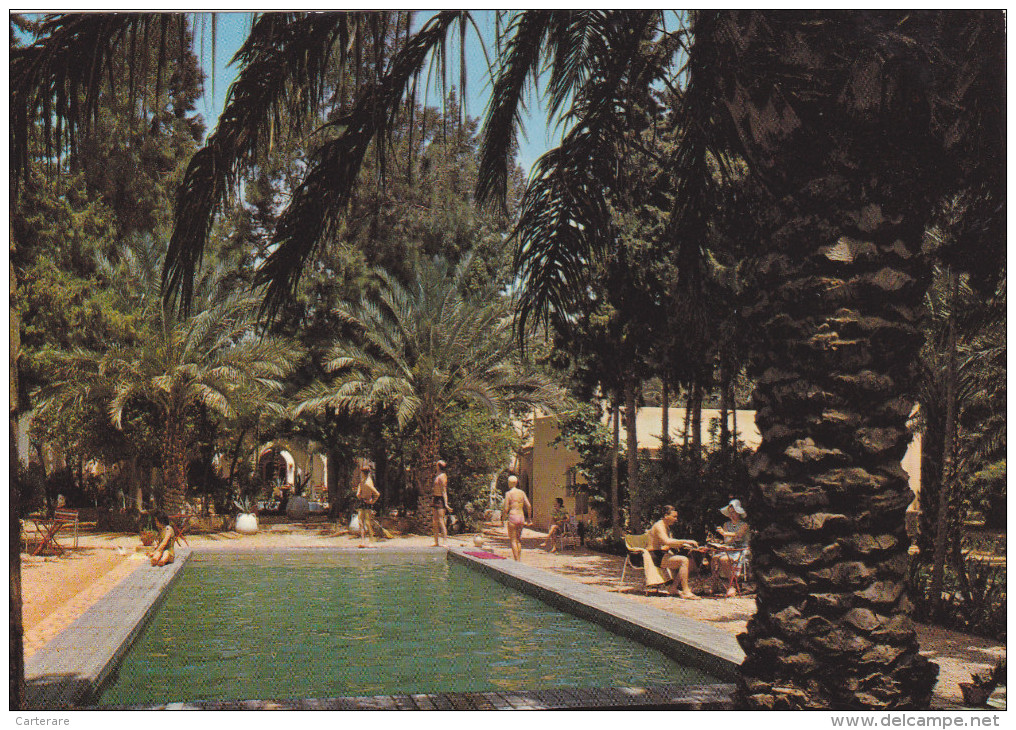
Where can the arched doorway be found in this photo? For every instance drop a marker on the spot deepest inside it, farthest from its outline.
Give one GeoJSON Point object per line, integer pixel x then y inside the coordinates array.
{"type": "Point", "coordinates": [277, 467]}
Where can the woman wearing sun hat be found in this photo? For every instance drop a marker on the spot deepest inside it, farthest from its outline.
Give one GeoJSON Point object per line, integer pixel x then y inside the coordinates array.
{"type": "Point", "coordinates": [735, 541]}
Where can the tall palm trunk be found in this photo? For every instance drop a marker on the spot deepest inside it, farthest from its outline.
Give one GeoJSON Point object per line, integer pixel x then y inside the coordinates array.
{"type": "Point", "coordinates": [842, 283]}
{"type": "Point", "coordinates": [426, 465]}
{"type": "Point", "coordinates": [615, 496]}
{"type": "Point", "coordinates": [686, 440]}
{"type": "Point", "coordinates": [696, 421]}
{"type": "Point", "coordinates": [946, 503]}
{"type": "Point", "coordinates": [634, 499]}
{"type": "Point", "coordinates": [724, 409]}
{"type": "Point", "coordinates": [832, 627]}
{"type": "Point", "coordinates": [174, 463]}
{"type": "Point", "coordinates": [733, 418]}
{"type": "Point", "coordinates": [332, 483]}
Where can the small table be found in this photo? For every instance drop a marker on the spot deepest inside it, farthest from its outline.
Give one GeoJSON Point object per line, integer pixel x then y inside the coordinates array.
{"type": "Point", "coordinates": [48, 528]}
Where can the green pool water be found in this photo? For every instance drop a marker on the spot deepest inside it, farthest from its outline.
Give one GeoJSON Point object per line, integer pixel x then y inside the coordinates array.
{"type": "Point", "coordinates": [307, 624]}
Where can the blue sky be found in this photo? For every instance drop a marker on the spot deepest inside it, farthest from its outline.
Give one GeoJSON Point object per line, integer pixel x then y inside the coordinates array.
{"type": "Point", "coordinates": [231, 29]}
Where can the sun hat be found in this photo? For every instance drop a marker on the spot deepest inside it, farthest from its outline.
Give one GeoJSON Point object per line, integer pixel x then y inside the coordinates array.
{"type": "Point", "coordinates": [733, 506]}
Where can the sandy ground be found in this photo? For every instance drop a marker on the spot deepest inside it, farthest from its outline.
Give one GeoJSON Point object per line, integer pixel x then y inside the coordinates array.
{"type": "Point", "coordinates": [56, 590]}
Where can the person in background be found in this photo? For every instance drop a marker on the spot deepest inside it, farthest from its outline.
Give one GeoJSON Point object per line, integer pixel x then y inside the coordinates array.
{"type": "Point", "coordinates": [440, 503]}
{"type": "Point", "coordinates": [735, 541]}
{"type": "Point", "coordinates": [515, 509]}
{"type": "Point", "coordinates": [558, 518]}
{"type": "Point", "coordinates": [366, 496]}
{"type": "Point", "coordinates": [163, 553]}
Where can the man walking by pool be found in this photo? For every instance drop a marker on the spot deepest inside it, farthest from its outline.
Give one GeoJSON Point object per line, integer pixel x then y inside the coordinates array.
{"type": "Point", "coordinates": [660, 544]}
{"type": "Point", "coordinates": [366, 496]}
{"type": "Point", "coordinates": [516, 506]}
{"type": "Point", "coordinates": [440, 504]}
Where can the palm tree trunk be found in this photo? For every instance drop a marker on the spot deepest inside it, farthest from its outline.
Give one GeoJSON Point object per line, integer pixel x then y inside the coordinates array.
{"type": "Point", "coordinates": [174, 464]}
{"type": "Point", "coordinates": [724, 410]}
{"type": "Point", "coordinates": [832, 627]}
{"type": "Point", "coordinates": [634, 503]}
{"type": "Point", "coordinates": [733, 417]}
{"type": "Point", "coordinates": [236, 456]}
{"type": "Point", "coordinates": [332, 483]}
{"type": "Point", "coordinates": [696, 422]}
{"type": "Point", "coordinates": [686, 441]}
{"type": "Point", "coordinates": [843, 283]}
{"type": "Point", "coordinates": [615, 497]}
{"type": "Point", "coordinates": [426, 466]}
{"type": "Point", "coordinates": [945, 501]}
{"type": "Point", "coordinates": [932, 453]}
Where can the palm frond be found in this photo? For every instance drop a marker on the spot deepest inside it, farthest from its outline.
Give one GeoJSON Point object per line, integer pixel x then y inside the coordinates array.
{"type": "Point", "coordinates": [61, 77]}
{"type": "Point", "coordinates": [281, 82]}
{"type": "Point", "coordinates": [522, 56]}
{"type": "Point", "coordinates": [325, 192]}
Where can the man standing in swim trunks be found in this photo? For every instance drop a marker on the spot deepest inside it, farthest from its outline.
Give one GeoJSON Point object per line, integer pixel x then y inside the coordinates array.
{"type": "Point", "coordinates": [660, 543]}
{"type": "Point", "coordinates": [439, 501]}
{"type": "Point", "coordinates": [366, 495]}
{"type": "Point", "coordinates": [516, 505]}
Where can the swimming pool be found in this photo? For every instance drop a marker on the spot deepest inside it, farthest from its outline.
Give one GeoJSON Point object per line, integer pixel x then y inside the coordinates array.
{"type": "Point", "coordinates": [316, 624]}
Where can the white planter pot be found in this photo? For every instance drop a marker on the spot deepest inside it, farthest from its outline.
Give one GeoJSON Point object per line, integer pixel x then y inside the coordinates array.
{"type": "Point", "coordinates": [246, 523]}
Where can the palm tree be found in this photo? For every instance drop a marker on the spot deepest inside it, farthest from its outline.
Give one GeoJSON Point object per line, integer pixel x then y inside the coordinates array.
{"type": "Point", "coordinates": [852, 126]}
{"type": "Point", "coordinates": [421, 350]}
{"type": "Point", "coordinates": [212, 358]}
{"type": "Point", "coordinates": [840, 127]}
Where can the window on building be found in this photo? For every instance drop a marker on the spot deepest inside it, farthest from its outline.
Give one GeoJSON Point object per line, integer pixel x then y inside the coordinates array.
{"type": "Point", "coordinates": [570, 481]}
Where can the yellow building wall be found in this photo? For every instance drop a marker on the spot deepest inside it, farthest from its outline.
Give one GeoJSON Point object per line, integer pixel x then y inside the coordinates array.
{"type": "Point", "coordinates": [550, 471]}
{"type": "Point", "coordinates": [550, 463]}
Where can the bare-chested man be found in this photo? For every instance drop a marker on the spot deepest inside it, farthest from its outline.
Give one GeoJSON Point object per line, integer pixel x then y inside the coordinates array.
{"type": "Point", "coordinates": [366, 495]}
{"type": "Point", "coordinates": [516, 508]}
{"type": "Point", "coordinates": [660, 543]}
{"type": "Point", "coordinates": [440, 503]}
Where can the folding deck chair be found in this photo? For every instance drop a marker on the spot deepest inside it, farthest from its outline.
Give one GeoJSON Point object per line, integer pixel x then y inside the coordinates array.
{"type": "Point", "coordinates": [640, 558]}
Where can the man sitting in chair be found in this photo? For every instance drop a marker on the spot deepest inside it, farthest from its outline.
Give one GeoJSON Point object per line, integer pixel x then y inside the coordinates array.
{"type": "Point", "coordinates": [660, 544]}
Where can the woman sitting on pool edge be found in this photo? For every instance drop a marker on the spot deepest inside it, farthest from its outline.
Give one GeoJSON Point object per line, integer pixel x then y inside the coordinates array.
{"type": "Point", "coordinates": [163, 553]}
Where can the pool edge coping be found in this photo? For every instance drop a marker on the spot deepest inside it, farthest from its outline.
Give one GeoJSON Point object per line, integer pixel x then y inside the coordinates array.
{"type": "Point", "coordinates": [60, 675]}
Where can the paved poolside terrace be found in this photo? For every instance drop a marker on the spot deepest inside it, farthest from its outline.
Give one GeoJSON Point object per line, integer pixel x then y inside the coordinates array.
{"type": "Point", "coordinates": [71, 671]}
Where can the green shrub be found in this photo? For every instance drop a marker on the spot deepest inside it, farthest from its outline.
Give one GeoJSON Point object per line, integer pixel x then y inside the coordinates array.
{"type": "Point", "coordinates": [978, 607]}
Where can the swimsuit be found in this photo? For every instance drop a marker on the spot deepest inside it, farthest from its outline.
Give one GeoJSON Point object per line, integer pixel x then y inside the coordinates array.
{"type": "Point", "coordinates": [658, 556]}
{"type": "Point", "coordinates": [438, 502]}
{"type": "Point", "coordinates": [517, 520]}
